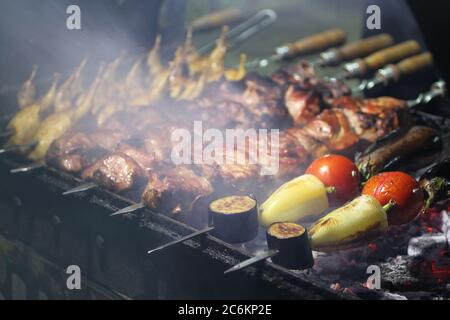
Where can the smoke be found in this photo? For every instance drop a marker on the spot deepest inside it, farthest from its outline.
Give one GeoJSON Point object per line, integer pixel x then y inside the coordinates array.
{"type": "Point", "coordinates": [35, 32]}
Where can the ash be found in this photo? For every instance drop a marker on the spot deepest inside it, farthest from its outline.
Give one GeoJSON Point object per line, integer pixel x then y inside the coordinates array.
{"type": "Point", "coordinates": [414, 262]}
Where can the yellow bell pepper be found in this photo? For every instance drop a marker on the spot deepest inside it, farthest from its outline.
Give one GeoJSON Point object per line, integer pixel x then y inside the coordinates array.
{"type": "Point", "coordinates": [358, 222]}
{"type": "Point", "coordinates": [303, 197]}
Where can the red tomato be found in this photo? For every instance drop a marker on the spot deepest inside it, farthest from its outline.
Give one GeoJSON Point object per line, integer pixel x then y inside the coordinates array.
{"type": "Point", "coordinates": [338, 172]}
{"type": "Point", "coordinates": [400, 187]}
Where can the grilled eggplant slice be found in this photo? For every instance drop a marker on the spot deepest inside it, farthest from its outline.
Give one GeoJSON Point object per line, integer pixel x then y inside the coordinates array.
{"type": "Point", "coordinates": [292, 242]}
{"type": "Point", "coordinates": [235, 218]}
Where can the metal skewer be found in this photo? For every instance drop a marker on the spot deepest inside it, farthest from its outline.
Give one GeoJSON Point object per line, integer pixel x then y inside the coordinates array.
{"type": "Point", "coordinates": [28, 168]}
{"type": "Point", "coordinates": [129, 209]}
{"type": "Point", "coordinates": [438, 89]}
{"type": "Point", "coordinates": [252, 261]}
{"type": "Point", "coordinates": [19, 146]}
{"type": "Point", "coordinates": [81, 188]}
{"type": "Point", "coordinates": [245, 30]}
{"type": "Point", "coordinates": [7, 133]}
{"type": "Point", "coordinates": [183, 239]}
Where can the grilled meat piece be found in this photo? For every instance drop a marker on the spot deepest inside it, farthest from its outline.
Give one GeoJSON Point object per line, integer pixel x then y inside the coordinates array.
{"type": "Point", "coordinates": [146, 160]}
{"type": "Point", "coordinates": [71, 153]}
{"type": "Point", "coordinates": [371, 119]}
{"type": "Point", "coordinates": [71, 163]}
{"type": "Point", "coordinates": [109, 139]}
{"type": "Point", "coordinates": [116, 172]}
{"type": "Point", "coordinates": [238, 176]}
{"type": "Point", "coordinates": [292, 157]}
{"type": "Point", "coordinates": [263, 99]}
{"type": "Point", "coordinates": [300, 74]}
{"type": "Point", "coordinates": [303, 75]}
{"type": "Point", "coordinates": [71, 143]}
{"type": "Point", "coordinates": [335, 122]}
{"type": "Point", "coordinates": [232, 115]}
{"type": "Point", "coordinates": [303, 105]}
{"type": "Point", "coordinates": [76, 151]}
{"type": "Point", "coordinates": [157, 142]}
{"type": "Point", "coordinates": [176, 190]}
{"type": "Point", "coordinates": [137, 163]}
{"type": "Point", "coordinates": [260, 96]}
{"type": "Point", "coordinates": [380, 107]}
{"type": "Point", "coordinates": [314, 148]}
{"type": "Point", "coordinates": [306, 94]}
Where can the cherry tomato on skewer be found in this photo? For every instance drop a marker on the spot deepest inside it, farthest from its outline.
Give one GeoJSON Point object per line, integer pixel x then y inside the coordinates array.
{"type": "Point", "coordinates": [402, 189]}
{"type": "Point", "coordinates": [338, 172]}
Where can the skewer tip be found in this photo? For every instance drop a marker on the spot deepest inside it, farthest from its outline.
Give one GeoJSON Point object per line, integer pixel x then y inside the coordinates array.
{"type": "Point", "coordinates": [81, 188]}
{"type": "Point", "coordinates": [153, 251]}
{"type": "Point", "coordinates": [182, 239]}
{"type": "Point", "coordinates": [230, 270]}
{"type": "Point", "coordinates": [27, 169]}
{"type": "Point", "coordinates": [128, 209]}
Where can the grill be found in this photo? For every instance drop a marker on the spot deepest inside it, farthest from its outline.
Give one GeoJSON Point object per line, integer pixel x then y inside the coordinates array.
{"type": "Point", "coordinates": [41, 229]}
{"type": "Point", "coordinates": [112, 251]}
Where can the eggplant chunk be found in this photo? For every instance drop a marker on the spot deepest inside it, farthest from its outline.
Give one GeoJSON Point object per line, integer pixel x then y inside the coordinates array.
{"type": "Point", "coordinates": [292, 242]}
{"type": "Point", "coordinates": [235, 218]}
{"type": "Point", "coordinates": [417, 140]}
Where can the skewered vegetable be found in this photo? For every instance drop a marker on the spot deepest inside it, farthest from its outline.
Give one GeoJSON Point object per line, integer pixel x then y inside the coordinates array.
{"type": "Point", "coordinates": [435, 182]}
{"type": "Point", "coordinates": [298, 199]}
{"type": "Point", "coordinates": [400, 188]}
{"type": "Point", "coordinates": [358, 222]}
{"type": "Point", "coordinates": [339, 173]}
{"type": "Point", "coordinates": [292, 242]}
{"type": "Point", "coordinates": [235, 218]}
{"type": "Point", "coordinates": [398, 147]}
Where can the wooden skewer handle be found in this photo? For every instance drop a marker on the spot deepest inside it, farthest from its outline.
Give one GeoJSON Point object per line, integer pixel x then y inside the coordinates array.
{"type": "Point", "coordinates": [415, 64]}
{"type": "Point", "coordinates": [317, 42]}
{"type": "Point", "coordinates": [216, 19]}
{"type": "Point", "coordinates": [365, 47]}
{"type": "Point", "coordinates": [392, 54]}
